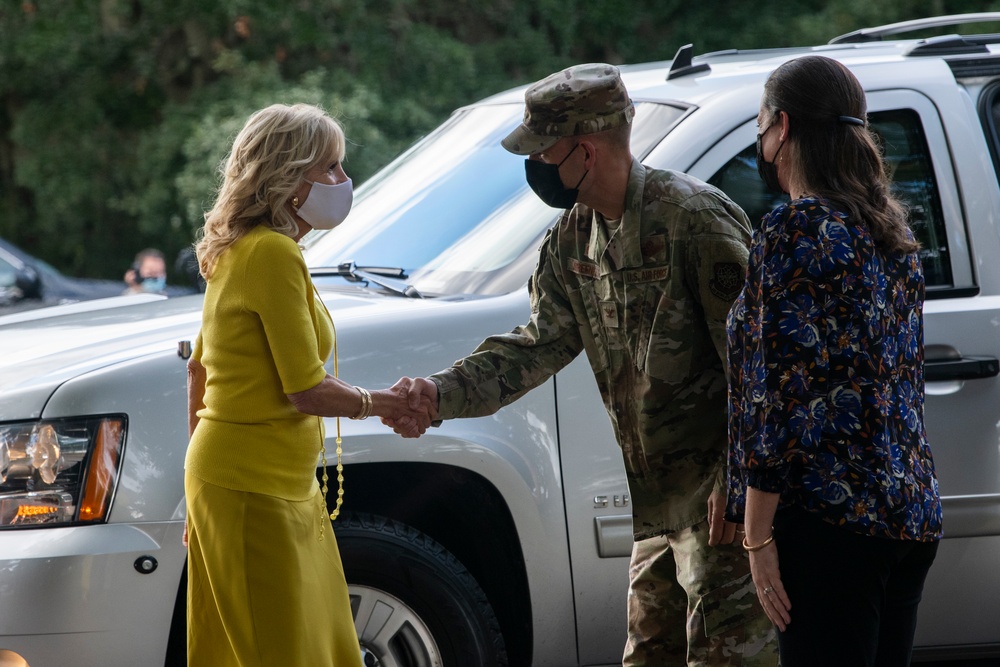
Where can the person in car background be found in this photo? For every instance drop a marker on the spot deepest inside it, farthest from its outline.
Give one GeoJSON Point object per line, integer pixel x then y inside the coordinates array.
{"type": "Point", "coordinates": [266, 585]}
{"type": "Point", "coordinates": [639, 272]}
{"type": "Point", "coordinates": [827, 388]}
{"type": "Point", "coordinates": [148, 273]}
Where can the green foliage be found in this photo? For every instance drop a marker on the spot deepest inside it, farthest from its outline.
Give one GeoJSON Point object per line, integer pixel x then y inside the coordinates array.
{"type": "Point", "coordinates": [116, 114]}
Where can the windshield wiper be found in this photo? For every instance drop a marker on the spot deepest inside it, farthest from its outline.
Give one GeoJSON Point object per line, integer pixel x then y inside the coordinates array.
{"type": "Point", "coordinates": [392, 279]}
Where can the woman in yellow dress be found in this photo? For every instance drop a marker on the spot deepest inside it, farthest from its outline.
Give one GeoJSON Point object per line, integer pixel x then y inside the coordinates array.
{"type": "Point", "coordinates": [265, 582]}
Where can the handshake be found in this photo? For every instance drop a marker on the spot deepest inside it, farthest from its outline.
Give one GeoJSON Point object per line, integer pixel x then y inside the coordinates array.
{"type": "Point", "coordinates": [412, 406]}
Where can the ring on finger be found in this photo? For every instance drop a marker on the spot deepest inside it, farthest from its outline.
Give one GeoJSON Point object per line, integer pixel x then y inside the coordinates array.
{"type": "Point", "coordinates": [767, 590]}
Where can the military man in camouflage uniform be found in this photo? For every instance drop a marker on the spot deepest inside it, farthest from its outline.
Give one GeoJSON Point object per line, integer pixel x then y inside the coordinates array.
{"type": "Point", "coordinates": [639, 272]}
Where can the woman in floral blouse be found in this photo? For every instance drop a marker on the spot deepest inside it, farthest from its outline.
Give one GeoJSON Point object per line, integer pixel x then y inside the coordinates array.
{"type": "Point", "coordinates": [829, 464]}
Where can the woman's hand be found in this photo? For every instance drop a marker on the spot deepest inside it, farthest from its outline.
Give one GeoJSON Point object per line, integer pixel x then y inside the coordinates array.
{"type": "Point", "coordinates": [770, 590]}
{"type": "Point", "coordinates": [761, 507]}
{"type": "Point", "coordinates": [333, 397]}
{"type": "Point", "coordinates": [420, 394]}
{"type": "Point", "coordinates": [409, 413]}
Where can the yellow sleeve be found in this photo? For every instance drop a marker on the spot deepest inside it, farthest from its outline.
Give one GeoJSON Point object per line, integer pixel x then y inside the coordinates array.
{"type": "Point", "coordinates": [279, 291]}
{"type": "Point", "coordinates": [197, 349]}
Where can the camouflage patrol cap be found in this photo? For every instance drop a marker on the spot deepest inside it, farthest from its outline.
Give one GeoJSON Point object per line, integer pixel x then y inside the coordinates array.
{"type": "Point", "coordinates": [582, 99]}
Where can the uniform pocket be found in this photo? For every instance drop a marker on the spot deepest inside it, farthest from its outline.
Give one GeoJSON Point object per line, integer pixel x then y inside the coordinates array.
{"type": "Point", "coordinates": [728, 606]}
{"type": "Point", "coordinates": [595, 341]}
{"type": "Point", "coordinates": [670, 342]}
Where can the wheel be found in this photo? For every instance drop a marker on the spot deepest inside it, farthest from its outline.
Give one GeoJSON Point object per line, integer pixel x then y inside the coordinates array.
{"type": "Point", "coordinates": [414, 603]}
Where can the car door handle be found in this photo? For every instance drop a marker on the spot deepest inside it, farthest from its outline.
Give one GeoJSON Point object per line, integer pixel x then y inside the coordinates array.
{"type": "Point", "coordinates": [966, 368]}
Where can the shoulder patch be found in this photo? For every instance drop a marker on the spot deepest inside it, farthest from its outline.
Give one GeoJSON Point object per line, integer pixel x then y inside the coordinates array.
{"type": "Point", "coordinates": [727, 280]}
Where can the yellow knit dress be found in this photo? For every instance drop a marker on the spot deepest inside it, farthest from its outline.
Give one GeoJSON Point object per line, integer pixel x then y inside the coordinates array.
{"type": "Point", "coordinates": [265, 582]}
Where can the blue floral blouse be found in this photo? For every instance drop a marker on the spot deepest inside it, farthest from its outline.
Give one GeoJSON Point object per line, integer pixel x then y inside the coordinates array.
{"type": "Point", "coordinates": [826, 384]}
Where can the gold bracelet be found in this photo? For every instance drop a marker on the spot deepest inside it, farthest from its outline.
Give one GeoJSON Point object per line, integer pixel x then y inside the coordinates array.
{"type": "Point", "coordinates": [366, 404]}
{"type": "Point", "coordinates": [760, 546]}
{"type": "Point", "coordinates": [366, 407]}
{"type": "Point", "coordinates": [370, 404]}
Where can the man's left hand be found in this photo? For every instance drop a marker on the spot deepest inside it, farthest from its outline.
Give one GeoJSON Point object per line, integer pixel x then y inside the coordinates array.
{"type": "Point", "coordinates": [721, 531]}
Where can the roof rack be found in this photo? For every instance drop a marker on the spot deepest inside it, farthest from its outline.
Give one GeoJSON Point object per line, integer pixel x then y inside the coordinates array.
{"type": "Point", "coordinates": [950, 45]}
{"type": "Point", "coordinates": [681, 65]}
{"type": "Point", "coordinates": [876, 34]}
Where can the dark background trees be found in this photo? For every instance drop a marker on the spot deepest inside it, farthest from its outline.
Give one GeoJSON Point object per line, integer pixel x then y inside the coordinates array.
{"type": "Point", "coordinates": [115, 114]}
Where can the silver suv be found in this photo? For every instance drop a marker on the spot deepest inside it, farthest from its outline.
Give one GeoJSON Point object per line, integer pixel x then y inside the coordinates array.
{"type": "Point", "coordinates": [505, 539]}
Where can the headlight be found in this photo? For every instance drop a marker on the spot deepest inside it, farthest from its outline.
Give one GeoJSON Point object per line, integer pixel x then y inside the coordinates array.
{"type": "Point", "coordinates": [59, 471]}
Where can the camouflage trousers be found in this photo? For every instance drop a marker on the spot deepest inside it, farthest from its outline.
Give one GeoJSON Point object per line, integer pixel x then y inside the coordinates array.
{"type": "Point", "coordinates": [695, 605]}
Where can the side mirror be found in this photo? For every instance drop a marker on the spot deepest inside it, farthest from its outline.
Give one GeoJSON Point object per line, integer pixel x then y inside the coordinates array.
{"type": "Point", "coordinates": [29, 282]}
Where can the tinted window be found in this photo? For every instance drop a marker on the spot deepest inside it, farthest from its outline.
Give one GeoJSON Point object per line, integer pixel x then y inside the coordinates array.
{"type": "Point", "coordinates": [913, 181]}
{"type": "Point", "coordinates": [989, 110]}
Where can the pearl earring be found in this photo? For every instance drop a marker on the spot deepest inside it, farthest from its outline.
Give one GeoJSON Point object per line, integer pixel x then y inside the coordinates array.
{"type": "Point", "coordinates": [295, 201]}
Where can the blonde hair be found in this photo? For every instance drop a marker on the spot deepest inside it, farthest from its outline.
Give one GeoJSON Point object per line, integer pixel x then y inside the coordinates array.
{"type": "Point", "coordinates": [268, 162]}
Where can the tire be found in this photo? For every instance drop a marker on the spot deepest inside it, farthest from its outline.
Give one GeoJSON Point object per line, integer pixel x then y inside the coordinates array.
{"type": "Point", "coordinates": [414, 603]}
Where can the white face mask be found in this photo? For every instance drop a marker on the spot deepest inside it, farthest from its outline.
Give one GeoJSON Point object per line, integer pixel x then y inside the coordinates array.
{"type": "Point", "coordinates": [327, 206]}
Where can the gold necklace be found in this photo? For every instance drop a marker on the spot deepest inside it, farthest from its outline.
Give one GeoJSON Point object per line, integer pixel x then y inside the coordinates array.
{"type": "Point", "coordinates": [324, 517]}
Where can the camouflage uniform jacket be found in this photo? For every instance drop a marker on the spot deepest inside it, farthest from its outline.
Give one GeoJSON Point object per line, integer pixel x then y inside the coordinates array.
{"type": "Point", "coordinates": [647, 299]}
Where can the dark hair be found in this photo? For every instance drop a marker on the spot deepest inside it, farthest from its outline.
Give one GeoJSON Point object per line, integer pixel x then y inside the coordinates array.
{"type": "Point", "coordinates": [148, 252]}
{"type": "Point", "coordinates": [838, 159]}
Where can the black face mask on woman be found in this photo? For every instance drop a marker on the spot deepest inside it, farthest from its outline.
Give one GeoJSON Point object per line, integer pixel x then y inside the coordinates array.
{"type": "Point", "coordinates": [543, 178]}
{"type": "Point", "coordinates": [768, 170]}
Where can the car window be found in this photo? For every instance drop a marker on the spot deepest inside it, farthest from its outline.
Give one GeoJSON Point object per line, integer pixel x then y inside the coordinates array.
{"type": "Point", "coordinates": [8, 274]}
{"type": "Point", "coordinates": [454, 212]}
{"type": "Point", "coordinates": [989, 112]}
{"type": "Point", "coordinates": [908, 158]}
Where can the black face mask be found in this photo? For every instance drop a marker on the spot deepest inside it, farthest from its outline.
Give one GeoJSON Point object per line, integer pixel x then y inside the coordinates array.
{"type": "Point", "coordinates": [768, 170]}
{"type": "Point", "coordinates": [543, 178]}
